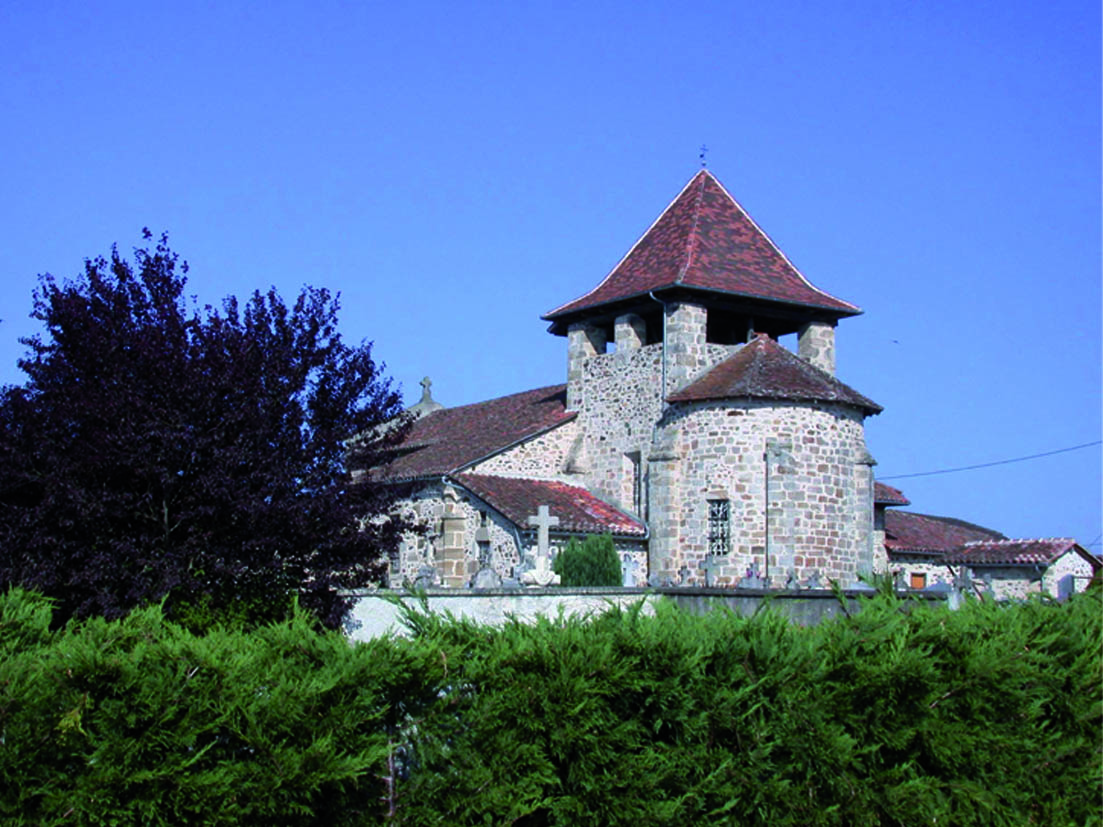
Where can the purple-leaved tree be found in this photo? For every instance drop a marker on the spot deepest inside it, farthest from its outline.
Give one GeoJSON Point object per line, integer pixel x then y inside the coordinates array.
{"type": "Point", "coordinates": [161, 451]}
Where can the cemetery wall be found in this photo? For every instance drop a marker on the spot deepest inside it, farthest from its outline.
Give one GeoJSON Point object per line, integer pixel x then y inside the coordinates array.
{"type": "Point", "coordinates": [375, 614]}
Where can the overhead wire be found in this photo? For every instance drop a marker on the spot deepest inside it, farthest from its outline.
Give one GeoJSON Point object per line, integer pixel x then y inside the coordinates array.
{"type": "Point", "coordinates": [997, 462]}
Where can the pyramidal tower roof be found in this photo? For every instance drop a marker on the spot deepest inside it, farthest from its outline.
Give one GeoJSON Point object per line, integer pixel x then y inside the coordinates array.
{"type": "Point", "coordinates": [704, 240]}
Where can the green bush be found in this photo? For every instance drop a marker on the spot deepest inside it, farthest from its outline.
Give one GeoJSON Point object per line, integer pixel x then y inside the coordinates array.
{"type": "Point", "coordinates": [593, 562]}
{"type": "Point", "coordinates": [902, 713]}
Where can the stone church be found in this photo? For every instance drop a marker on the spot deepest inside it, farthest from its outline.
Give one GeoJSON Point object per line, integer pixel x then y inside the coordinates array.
{"type": "Point", "coordinates": [710, 452]}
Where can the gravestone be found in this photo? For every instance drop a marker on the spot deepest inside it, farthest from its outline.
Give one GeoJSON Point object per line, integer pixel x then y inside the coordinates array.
{"type": "Point", "coordinates": [963, 580]}
{"type": "Point", "coordinates": [486, 578]}
{"type": "Point", "coordinates": [752, 579]}
{"type": "Point", "coordinates": [426, 577]}
{"type": "Point", "coordinates": [986, 578]}
{"type": "Point", "coordinates": [629, 567]}
{"type": "Point", "coordinates": [710, 565]}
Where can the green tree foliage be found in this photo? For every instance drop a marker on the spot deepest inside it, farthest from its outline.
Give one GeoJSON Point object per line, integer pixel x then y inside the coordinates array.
{"type": "Point", "coordinates": [901, 713]}
{"type": "Point", "coordinates": [161, 450]}
{"type": "Point", "coordinates": [593, 562]}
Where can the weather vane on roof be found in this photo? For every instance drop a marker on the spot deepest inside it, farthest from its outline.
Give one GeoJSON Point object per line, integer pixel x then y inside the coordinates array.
{"type": "Point", "coordinates": [704, 163]}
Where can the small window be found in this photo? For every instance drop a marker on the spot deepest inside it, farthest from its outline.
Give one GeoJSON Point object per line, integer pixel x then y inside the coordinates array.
{"type": "Point", "coordinates": [918, 580]}
{"type": "Point", "coordinates": [719, 527]}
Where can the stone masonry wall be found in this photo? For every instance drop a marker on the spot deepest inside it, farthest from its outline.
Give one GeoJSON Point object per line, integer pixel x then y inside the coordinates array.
{"type": "Point", "coordinates": [620, 407]}
{"type": "Point", "coordinates": [903, 566]}
{"type": "Point", "coordinates": [690, 354]}
{"type": "Point", "coordinates": [543, 458]}
{"type": "Point", "coordinates": [1018, 582]}
{"type": "Point", "coordinates": [1009, 583]}
{"type": "Point", "coordinates": [816, 344]}
{"type": "Point", "coordinates": [621, 404]}
{"type": "Point", "coordinates": [817, 525]}
{"type": "Point", "coordinates": [428, 506]}
{"type": "Point", "coordinates": [1070, 563]}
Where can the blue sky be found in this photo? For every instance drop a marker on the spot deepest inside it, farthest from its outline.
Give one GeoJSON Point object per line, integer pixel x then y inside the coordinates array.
{"type": "Point", "coordinates": [456, 169]}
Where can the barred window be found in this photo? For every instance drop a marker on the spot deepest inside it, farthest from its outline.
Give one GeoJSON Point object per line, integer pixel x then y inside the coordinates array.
{"type": "Point", "coordinates": [719, 527]}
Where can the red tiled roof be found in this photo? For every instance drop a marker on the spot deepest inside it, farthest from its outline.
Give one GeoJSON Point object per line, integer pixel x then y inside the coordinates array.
{"type": "Point", "coordinates": [451, 438]}
{"type": "Point", "coordinates": [705, 239]}
{"type": "Point", "coordinates": [577, 509]}
{"type": "Point", "coordinates": [1016, 552]}
{"type": "Point", "coordinates": [908, 532]}
{"type": "Point", "coordinates": [887, 495]}
{"type": "Point", "coordinates": [763, 369]}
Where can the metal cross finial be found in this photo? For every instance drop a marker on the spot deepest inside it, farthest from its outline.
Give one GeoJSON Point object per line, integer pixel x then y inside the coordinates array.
{"type": "Point", "coordinates": [426, 383]}
{"type": "Point", "coordinates": [704, 163]}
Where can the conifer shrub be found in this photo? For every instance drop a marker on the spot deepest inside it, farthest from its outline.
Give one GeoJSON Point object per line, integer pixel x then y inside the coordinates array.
{"type": "Point", "coordinates": [899, 713]}
{"type": "Point", "coordinates": [592, 562]}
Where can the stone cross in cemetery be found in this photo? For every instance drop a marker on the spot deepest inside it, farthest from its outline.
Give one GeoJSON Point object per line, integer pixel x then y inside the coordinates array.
{"type": "Point", "coordinates": [542, 575]}
{"type": "Point", "coordinates": [628, 568]}
{"type": "Point", "coordinates": [710, 566]}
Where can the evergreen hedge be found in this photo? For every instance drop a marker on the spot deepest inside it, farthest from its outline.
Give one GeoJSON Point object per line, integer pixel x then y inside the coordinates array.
{"type": "Point", "coordinates": [592, 562]}
{"type": "Point", "coordinates": [902, 713]}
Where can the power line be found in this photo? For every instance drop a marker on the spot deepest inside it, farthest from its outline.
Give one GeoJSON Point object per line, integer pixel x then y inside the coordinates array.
{"type": "Point", "coordinates": [990, 464]}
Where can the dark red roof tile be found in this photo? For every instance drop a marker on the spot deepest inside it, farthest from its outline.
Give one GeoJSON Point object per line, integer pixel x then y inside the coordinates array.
{"type": "Point", "coordinates": [1039, 552]}
{"type": "Point", "coordinates": [887, 495]}
{"type": "Point", "coordinates": [452, 438]}
{"type": "Point", "coordinates": [763, 369]}
{"type": "Point", "coordinates": [907, 532]}
{"type": "Point", "coordinates": [705, 239]}
{"type": "Point", "coordinates": [578, 510]}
